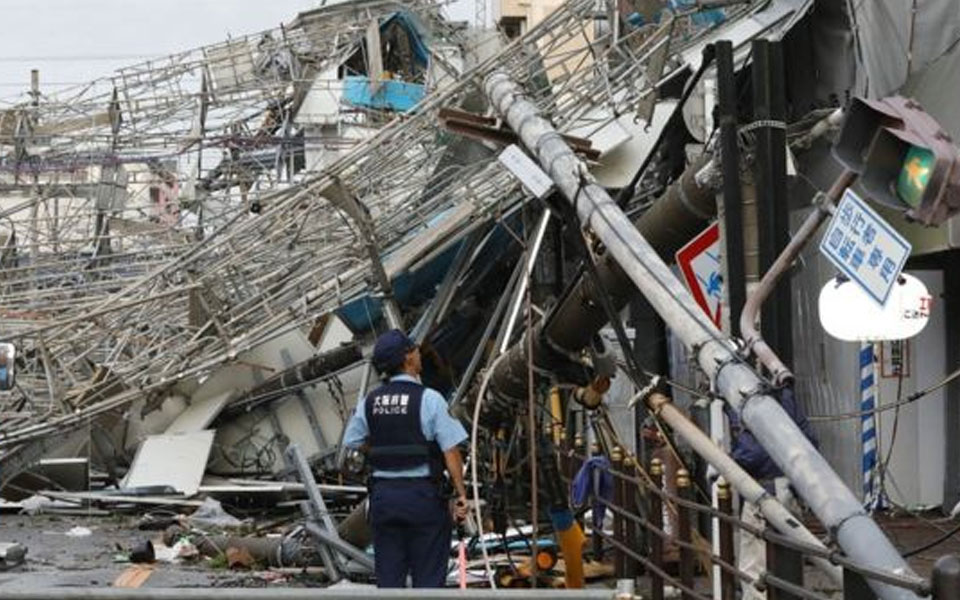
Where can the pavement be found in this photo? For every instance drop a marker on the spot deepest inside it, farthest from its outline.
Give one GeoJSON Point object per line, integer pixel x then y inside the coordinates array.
{"type": "Point", "coordinates": [56, 559]}
{"type": "Point", "coordinates": [912, 530]}
{"type": "Point", "coordinates": [59, 557]}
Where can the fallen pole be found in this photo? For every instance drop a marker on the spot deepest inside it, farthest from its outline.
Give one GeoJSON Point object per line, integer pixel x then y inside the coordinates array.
{"type": "Point", "coordinates": [815, 480]}
{"type": "Point", "coordinates": [681, 212]}
{"type": "Point", "coordinates": [773, 511]}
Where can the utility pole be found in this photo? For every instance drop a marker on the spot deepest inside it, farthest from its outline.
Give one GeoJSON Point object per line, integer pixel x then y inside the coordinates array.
{"type": "Point", "coordinates": [735, 281]}
{"type": "Point", "coordinates": [773, 211]}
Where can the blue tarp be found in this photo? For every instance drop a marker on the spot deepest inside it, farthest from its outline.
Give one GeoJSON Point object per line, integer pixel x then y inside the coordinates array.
{"type": "Point", "coordinates": [584, 486]}
{"type": "Point", "coordinates": [410, 288]}
{"type": "Point", "coordinates": [702, 19]}
{"type": "Point", "coordinates": [391, 94]}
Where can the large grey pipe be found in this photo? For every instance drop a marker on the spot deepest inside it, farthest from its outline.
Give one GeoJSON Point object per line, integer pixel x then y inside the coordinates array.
{"type": "Point", "coordinates": [811, 475]}
{"type": "Point", "coordinates": [678, 215]}
{"type": "Point", "coordinates": [773, 511]}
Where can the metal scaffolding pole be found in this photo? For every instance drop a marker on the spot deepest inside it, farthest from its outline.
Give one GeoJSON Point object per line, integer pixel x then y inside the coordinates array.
{"type": "Point", "coordinates": [815, 480]}
{"type": "Point", "coordinates": [774, 512]}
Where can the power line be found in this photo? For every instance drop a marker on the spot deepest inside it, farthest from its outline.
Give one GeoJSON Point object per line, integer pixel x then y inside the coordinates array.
{"type": "Point", "coordinates": [946, 536]}
{"type": "Point", "coordinates": [908, 400]}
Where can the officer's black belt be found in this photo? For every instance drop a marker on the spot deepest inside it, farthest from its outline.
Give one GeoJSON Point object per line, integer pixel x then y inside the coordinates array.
{"type": "Point", "coordinates": [403, 450]}
{"type": "Point", "coordinates": [403, 479]}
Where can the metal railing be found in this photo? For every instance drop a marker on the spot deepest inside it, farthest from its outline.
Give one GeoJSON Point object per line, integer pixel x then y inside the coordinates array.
{"type": "Point", "coordinates": [783, 577]}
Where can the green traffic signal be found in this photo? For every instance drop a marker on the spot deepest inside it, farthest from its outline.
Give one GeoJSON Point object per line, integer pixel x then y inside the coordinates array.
{"type": "Point", "coordinates": [918, 165]}
{"type": "Point", "coordinates": [903, 157]}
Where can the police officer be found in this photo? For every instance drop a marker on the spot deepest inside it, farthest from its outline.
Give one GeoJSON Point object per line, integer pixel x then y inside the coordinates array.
{"type": "Point", "coordinates": [409, 437]}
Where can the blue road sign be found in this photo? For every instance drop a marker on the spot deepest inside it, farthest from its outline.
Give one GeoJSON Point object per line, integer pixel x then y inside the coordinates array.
{"type": "Point", "coordinates": [865, 247]}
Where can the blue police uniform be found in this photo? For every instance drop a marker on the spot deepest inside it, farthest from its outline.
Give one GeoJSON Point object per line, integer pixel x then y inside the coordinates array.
{"type": "Point", "coordinates": [407, 427]}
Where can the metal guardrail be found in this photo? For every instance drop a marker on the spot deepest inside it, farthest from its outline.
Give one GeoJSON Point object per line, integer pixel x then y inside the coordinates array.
{"type": "Point", "coordinates": [783, 577]}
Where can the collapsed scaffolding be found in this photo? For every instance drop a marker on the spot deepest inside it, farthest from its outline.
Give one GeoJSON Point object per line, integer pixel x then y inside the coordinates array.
{"type": "Point", "coordinates": [114, 185]}
{"type": "Point", "coordinates": [257, 276]}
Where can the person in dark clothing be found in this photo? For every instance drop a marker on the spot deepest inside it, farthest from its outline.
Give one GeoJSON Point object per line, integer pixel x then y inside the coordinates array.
{"type": "Point", "coordinates": [748, 452]}
{"type": "Point", "coordinates": [409, 437]}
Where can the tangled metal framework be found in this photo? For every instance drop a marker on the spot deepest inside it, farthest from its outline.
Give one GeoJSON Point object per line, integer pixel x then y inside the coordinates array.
{"type": "Point", "coordinates": [85, 174]}
{"type": "Point", "coordinates": [105, 182]}
{"type": "Point", "coordinates": [402, 194]}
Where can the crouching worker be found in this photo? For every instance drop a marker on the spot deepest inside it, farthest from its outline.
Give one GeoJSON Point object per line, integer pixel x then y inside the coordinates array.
{"type": "Point", "coordinates": [409, 437]}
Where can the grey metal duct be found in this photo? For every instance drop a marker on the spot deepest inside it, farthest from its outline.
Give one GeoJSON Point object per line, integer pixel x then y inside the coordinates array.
{"type": "Point", "coordinates": [683, 211]}
{"type": "Point", "coordinates": [835, 505]}
{"type": "Point", "coordinates": [299, 374]}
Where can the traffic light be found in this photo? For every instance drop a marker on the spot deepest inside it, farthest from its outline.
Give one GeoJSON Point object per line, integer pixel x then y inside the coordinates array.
{"type": "Point", "coordinates": [904, 158]}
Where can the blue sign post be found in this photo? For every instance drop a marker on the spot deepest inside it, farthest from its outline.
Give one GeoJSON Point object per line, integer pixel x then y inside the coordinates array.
{"type": "Point", "coordinates": [865, 247]}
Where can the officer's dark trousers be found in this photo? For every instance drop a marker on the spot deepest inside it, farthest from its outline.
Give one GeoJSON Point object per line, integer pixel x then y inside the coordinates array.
{"type": "Point", "coordinates": [411, 532]}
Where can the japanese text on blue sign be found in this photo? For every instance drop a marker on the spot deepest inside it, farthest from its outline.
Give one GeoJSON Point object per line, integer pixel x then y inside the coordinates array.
{"type": "Point", "coordinates": [864, 247]}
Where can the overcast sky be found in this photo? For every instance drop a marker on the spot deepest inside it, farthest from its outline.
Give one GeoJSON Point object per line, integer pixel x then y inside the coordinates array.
{"type": "Point", "coordinates": [75, 41]}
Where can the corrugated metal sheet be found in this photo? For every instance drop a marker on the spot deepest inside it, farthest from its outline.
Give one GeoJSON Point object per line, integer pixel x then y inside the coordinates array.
{"type": "Point", "coordinates": [936, 89]}
{"type": "Point", "coordinates": [890, 32]}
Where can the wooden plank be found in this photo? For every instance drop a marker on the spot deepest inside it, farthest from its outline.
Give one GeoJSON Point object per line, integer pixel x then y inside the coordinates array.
{"type": "Point", "coordinates": [133, 577]}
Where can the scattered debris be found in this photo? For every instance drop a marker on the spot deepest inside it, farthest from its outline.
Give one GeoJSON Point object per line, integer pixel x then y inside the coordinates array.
{"type": "Point", "coordinates": [184, 550]}
{"type": "Point", "coordinates": [134, 576]}
{"type": "Point", "coordinates": [210, 514]}
{"type": "Point", "coordinates": [239, 558]}
{"type": "Point", "coordinates": [11, 555]}
{"type": "Point", "coordinates": [281, 551]}
{"type": "Point", "coordinates": [34, 504]}
{"type": "Point", "coordinates": [191, 340]}
{"type": "Point", "coordinates": [143, 553]}
{"type": "Point", "coordinates": [79, 532]}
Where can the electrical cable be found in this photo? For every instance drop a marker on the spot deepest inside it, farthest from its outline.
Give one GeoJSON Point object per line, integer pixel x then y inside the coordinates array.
{"type": "Point", "coordinates": [908, 400]}
{"type": "Point", "coordinates": [473, 466]}
{"type": "Point", "coordinates": [936, 542]}
{"type": "Point", "coordinates": [893, 436]}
